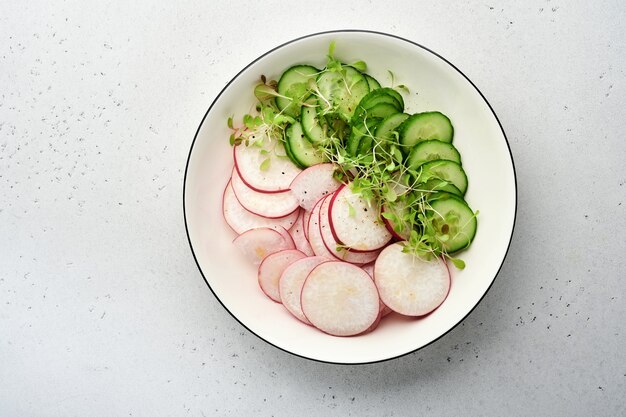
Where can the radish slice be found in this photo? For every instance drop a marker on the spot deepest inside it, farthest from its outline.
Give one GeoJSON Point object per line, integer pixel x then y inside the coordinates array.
{"type": "Point", "coordinates": [273, 267]}
{"type": "Point", "coordinates": [241, 220]}
{"type": "Point", "coordinates": [272, 205]}
{"type": "Point", "coordinates": [340, 299]}
{"type": "Point", "coordinates": [385, 310]}
{"type": "Point", "coordinates": [297, 234]}
{"type": "Point", "coordinates": [331, 244]}
{"type": "Point", "coordinates": [288, 238]}
{"type": "Point", "coordinates": [409, 285]}
{"type": "Point", "coordinates": [355, 223]}
{"type": "Point", "coordinates": [256, 244]}
{"type": "Point", "coordinates": [277, 174]}
{"type": "Point", "coordinates": [315, 237]}
{"type": "Point", "coordinates": [306, 214]}
{"type": "Point", "coordinates": [291, 282]}
{"type": "Point", "coordinates": [374, 325]}
{"type": "Point", "coordinates": [314, 183]}
{"type": "Point", "coordinates": [369, 268]}
{"type": "Point", "coordinates": [399, 210]}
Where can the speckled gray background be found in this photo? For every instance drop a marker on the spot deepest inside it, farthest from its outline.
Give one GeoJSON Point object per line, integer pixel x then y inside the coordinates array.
{"type": "Point", "coordinates": [102, 309]}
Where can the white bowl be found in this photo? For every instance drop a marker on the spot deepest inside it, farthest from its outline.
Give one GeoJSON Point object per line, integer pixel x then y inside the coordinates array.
{"type": "Point", "coordinates": [435, 84]}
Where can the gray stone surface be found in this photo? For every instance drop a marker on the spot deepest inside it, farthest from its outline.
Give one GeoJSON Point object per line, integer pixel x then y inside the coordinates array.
{"type": "Point", "coordinates": [102, 309]}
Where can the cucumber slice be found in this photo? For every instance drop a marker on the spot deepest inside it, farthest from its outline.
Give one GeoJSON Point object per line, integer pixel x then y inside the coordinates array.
{"type": "Point", "coordinates": [359, 132]}
{"type": "Point", "coordinates": [380, 111]}
{"type": "Point", "coordinates": [425, 126]}
{"type": "Point", "coordinates": [435, 185]}
{"type": "Point", "coordinates": [299, 149]}
{"type": "Point", "coordinates": [430, 150]}
{"type": "Point", "coordinates": [313, 127]}
{"type": "Point", "coordinates": [382, 95]}
{"type": "Point", "coordinates": [453, 221]}
{"type": "Point", "coordinates": [294, 84]}
{"type": "Point", "coordinates": [372, 82]}
{"type": "Point", "coordinates": [384, 131]}
{"type": "Point", "coordinates": [444, 170]}
{"type": "Point", "coordinates": [396, 95]}
{"type": "Point", "coordinates": [341, 92]}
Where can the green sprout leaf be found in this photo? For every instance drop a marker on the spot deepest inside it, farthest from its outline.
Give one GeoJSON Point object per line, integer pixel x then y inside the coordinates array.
{"type": "Point", "coordinates": [360, 65]}
{"type": "Point", "coordinates": [265, 165]}
{"type": "Point", "coordinates": [229, 122]}
{"type": "Point", "coordinates": [458, 263]}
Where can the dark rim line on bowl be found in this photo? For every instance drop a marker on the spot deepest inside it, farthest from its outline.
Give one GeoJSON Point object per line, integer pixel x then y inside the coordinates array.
{"type": "Point", "coordinates": [327, 33]}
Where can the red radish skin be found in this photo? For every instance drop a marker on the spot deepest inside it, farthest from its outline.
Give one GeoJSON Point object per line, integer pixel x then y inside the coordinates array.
{"type": "Point", "coordinates": [273, 267]}
{"type": "Point", "coordinates": [409, 285]}
{"type": "Point", "coordinates": [241, 220]}
{"type": "Point", "coordinates": [369, 268]}
{"type": "Point", "coordinates": [256, 244]}
{"type": "Point", "coordinates": [314, 183]}
{"type": "Point", "coordinates": [291, 282]}
{"type": "Point", "coordinates": [329, 241]}
{"type": "Point", "coordinates": [300, 240]}
{"type": "Point", "coordinates": [271, 205]}
{"type": "Point", "coordinates": [340, 299]}
{"type": "Point", "coordinates": [276, 178]}
{"type": "Point", "coordinates": [355, 224]}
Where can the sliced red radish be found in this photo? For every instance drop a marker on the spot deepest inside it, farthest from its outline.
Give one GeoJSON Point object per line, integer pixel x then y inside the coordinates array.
{"type": "Point", "coordinates": [369, 268]}
{"type": "Point", "coordinates": [398, 209]}
{"type": "Point", "coordinates": [285, 233]}
{"type": "Point", "coordinates": [355, 223]}
{"type": "Point", "coordinates": [340, 299]}
{"type": "Point", "coordinates": [374, 325]}
{"type": "Point", "coordinates": [256, 244]}
{"type": "Point", "coordinates": [300, 240]}
{"type": "Point", "coordinates": [385, 310]}
{"type": "Point", "coordinates": [409, 285]}
{"type": "Point", "coordinates": [306, 214]}
{"type": "Point", "coordinates": [272, 205]}
{"type": "Point", "coordinates": [240, 220]}
{"type": "Point", "coordinates": [331, 244]}
{"type": "Point", "coordinates": [273, 267]}
{"type": "Point", "coordinates": [314, 183]}
{"type": "Point", "coordinates": [265, 168]}
{"type": "Point", "coordinates": [315, 237]}
{"type": "Point", "coordinates": [291, 282]}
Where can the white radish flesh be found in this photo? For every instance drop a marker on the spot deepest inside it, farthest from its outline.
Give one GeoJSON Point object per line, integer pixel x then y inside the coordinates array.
{"type": "Point", "coordinates": [288, 238]}
{"type": "Point", "coordinates": [315, 237]}
{"type": "Point", "coordinates": [291, 282]}
{"type": "Point", "coordinates": [278, 171]}
{"type": "Point", "coordinates": [340, 299]}
{"type": "Point", "coordinates": [273, 267]}
{"type": "Point", "coordinates": [314, 183]}
{"type": "Point", "coordinates": [355, 223]}
{"type": "Point", "coordinates": [409, 285]}
{"type": "Point", "coordinates": [272, 205]}
{"type": "Point", "coordinates": [241, 220]}
{"type": "Point", "coordinates": [300, 240]}
{"type": "Point", "coordinates": [256, 244]}
{"type": "Point", "coordinates": [331, 244]}
{"type": "Point", "coordinates": [306, 214]}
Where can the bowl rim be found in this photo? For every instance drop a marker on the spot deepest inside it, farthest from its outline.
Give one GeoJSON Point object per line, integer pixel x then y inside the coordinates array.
{"type": "Point", "coordinates": [364, 31]}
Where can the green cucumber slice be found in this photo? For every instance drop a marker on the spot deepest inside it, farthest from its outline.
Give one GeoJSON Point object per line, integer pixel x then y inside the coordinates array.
{"type": "Point", "coordinates": [453, 221]}
{"type": "Point", "coordinates": [425, 126]}
{"type": "Point", "coordinates": [384, 131]}
{"type": "Point", "coordinates": [360, 131]}
{"type": "Point", "coordinates": [430, 150]}
{"type": "Point", "coordinates": [314, 128]}
{"type": "Point", "coordinates": [372, 82]}
{"type": "Point", "coordinates": [444, 170]}
{"type": "Point", "coordinates": [300, 150]}
{"type": "Point", "coordinates": [294, 84]}
{"type": "Point", "coordinates": [341, 92]}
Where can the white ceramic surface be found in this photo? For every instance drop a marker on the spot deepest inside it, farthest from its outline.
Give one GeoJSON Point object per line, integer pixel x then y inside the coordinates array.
{"type": "Point", "coordinates": [434, 85]}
